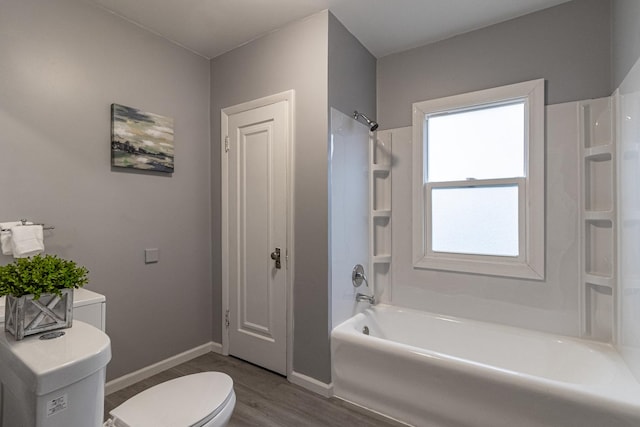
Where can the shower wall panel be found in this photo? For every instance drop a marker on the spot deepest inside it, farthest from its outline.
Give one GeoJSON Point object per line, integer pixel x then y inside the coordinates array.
{"type": "Point", "coordinates": [349, 207]}
{"type": "Point", "coordinates": [629, 211]}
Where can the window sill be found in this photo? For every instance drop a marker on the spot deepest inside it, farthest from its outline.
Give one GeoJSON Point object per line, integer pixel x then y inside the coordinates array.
{"type": "Point", "coordinates": [521, 270]}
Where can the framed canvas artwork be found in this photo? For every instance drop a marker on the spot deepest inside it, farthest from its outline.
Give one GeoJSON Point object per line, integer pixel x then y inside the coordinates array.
{"type": "Point", "coordinates": [141, 140]}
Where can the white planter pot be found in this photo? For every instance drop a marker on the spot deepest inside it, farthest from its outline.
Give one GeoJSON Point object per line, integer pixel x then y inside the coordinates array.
{"type": "Point", "coordinates": [26, 316]}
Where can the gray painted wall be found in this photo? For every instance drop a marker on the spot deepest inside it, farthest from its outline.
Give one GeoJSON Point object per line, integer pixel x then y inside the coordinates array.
{"type": "Point", "coordinates": [63, 63]}
{"type": "Point", "coordinates": [326, 66]}
{"type": "Point", "coordinates": [352, 72]}
{"type": "Point", "coordinates": [626, 38]}
{"type": "Point", "coordinates": [568, 45]}
{"type": "Point", "coordinates": [294, 57]}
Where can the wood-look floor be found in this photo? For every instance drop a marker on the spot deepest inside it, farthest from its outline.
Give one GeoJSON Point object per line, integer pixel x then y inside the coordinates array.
{"type": "Point", "coordinates": [264, 399]}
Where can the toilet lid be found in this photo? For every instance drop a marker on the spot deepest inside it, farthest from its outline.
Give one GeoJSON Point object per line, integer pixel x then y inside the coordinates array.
{"type": "Point", "coordinates": [181, 402]}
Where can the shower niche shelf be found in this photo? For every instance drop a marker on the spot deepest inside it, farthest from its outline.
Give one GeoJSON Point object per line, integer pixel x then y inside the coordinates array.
{"type": "Point", "coordinates": [598, 280]}
{"type": "Point", "coordinates": [599, 153]}
{"type": "Point", "coordinates": [598, 218]}
{"type": "Point", "coordinates": [381, 259]}
{"type": "Point", "coordinates": [380, 211]}
{"type": "Point", "coordinates": [380, 170]}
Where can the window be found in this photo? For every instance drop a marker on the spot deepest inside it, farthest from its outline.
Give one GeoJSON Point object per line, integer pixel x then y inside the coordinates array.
{"type": "Point", "coordinates": [478, 182]}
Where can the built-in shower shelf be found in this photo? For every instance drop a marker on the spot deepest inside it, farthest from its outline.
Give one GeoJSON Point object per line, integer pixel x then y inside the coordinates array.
{"type": "Point", "coordinates": [598, 217]}
{"type": "Point", "coordinates": [381, 213]}
{"type": "Point", "coordinates": [380, 169]}
{"type": "Point", "coordinates": [381, 259]}
{"type": "Point", "coordinates": [591, 216]}
{"type": "Point", "coordinates": [599, 152]}
{"type": "Point", "coordinates": [596, 279]}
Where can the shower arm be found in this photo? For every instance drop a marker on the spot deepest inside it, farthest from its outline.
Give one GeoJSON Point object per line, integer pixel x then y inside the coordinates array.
{"type": "Point", "coordinates": [373, 125]}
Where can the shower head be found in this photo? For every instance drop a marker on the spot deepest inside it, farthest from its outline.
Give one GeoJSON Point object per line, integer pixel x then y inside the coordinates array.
{"type": "Point", "coordinates": [372, 124]}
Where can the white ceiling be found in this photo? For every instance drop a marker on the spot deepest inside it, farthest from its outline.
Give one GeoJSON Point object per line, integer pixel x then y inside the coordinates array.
{"type": "Point", "coordinates": [212, 27]}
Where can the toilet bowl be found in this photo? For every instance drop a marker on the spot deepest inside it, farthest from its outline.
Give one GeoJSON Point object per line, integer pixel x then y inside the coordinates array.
{"type": "Point", "coordinates": [205, 399]}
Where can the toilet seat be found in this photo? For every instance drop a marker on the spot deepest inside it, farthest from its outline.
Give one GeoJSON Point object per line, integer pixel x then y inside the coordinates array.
{"type": "Point", "coordinates": [188, 401]}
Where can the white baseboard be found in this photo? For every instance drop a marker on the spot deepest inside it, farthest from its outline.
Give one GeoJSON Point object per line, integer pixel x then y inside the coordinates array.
{"type": "Point", "coordinates": [216, 347]}
{"type": "Point", "coordinates": [149, 371]}
{"type": "Point", "coordinates": [311, 384]}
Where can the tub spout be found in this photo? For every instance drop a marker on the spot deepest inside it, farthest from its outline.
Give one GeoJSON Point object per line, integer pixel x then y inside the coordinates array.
{"type": "Point", "coordinates": [369, 298]}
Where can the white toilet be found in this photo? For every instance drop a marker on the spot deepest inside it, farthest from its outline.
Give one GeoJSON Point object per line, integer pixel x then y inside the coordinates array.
{"type": "Point", "coordinates": [205, 399]}
{"type": "Point", "coordinates": [59, 382]}
{"type": "Point", "coordinates": [54, 379]}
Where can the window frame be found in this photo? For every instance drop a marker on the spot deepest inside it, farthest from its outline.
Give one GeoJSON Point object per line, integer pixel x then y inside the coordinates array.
{"type": "Point", "coordinates": [529, 264]}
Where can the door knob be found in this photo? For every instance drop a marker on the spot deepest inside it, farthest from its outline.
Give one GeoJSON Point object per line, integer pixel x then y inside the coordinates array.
{"type": "Point", "coordinates": [275, 255]}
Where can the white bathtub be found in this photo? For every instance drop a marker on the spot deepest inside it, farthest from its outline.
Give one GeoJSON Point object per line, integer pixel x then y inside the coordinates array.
{"type": "Point", "coordinates": [430, 370]}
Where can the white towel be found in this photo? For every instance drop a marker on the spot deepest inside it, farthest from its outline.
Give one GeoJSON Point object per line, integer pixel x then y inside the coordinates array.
{"type": "Point", "coordinates": [26, 240]}
{"type": "Point", "coordinates": [5, 236]}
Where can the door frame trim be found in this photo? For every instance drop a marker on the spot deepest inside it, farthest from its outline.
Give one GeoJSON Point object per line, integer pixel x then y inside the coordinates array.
{"type": "Point", "coordinates": [289, 97]}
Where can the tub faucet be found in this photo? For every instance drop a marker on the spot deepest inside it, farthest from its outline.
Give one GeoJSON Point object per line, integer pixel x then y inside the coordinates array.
{"type": "Point", "coordinates": [369, 298]}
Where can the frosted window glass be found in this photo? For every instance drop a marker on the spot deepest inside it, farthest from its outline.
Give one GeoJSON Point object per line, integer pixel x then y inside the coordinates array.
{"type": "Point", "coordinates": [475, 220]}
{"type": "Point", "coordinates": [482, 143]}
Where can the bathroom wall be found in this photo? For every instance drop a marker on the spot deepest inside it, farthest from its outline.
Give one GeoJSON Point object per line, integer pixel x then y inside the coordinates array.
{"type": "Point", "coordinates": [63, 63]}
{"type": "Point", "coordinates": [294, 57]}
{"type": "Point", "coordinates": [349, 207]}
{"type": "Point", "coordinates": [568, 45]}
{"type": "Point", "coordinates": [352, 72]}
{"type": "Point", "coordinates": [327, 67]}
{"type": "Point", "coordinates": [626, 38]}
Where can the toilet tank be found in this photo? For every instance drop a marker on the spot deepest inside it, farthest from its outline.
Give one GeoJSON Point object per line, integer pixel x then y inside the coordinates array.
{"type": "Point", "coordinates": [57, 382]}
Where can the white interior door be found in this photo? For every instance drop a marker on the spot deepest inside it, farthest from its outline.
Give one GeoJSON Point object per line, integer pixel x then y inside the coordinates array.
{"type": "Point", "coordinates": [257, 235]}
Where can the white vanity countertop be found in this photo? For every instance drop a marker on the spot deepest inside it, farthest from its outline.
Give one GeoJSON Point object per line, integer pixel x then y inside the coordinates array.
{"type": "Point", "coordinates": [80, 297]}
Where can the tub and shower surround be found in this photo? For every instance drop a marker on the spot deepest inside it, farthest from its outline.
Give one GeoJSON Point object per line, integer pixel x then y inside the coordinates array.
{"type": "Point", "coordinates": [431, 370]}
{"type": "Point", "coordinates": [435, 371]}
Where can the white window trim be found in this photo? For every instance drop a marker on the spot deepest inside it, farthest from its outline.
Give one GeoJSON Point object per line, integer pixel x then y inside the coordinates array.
{"type": "Point", "coordinates": [530, 262]}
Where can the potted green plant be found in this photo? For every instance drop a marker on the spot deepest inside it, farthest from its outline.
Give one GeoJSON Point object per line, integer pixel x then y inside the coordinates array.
{"type": "Point", "coordinates": [39, 293]}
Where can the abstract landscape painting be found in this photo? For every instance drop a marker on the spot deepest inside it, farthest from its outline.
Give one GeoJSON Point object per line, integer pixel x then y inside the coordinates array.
{"type": "Point", "coordinates": [141, 140]}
